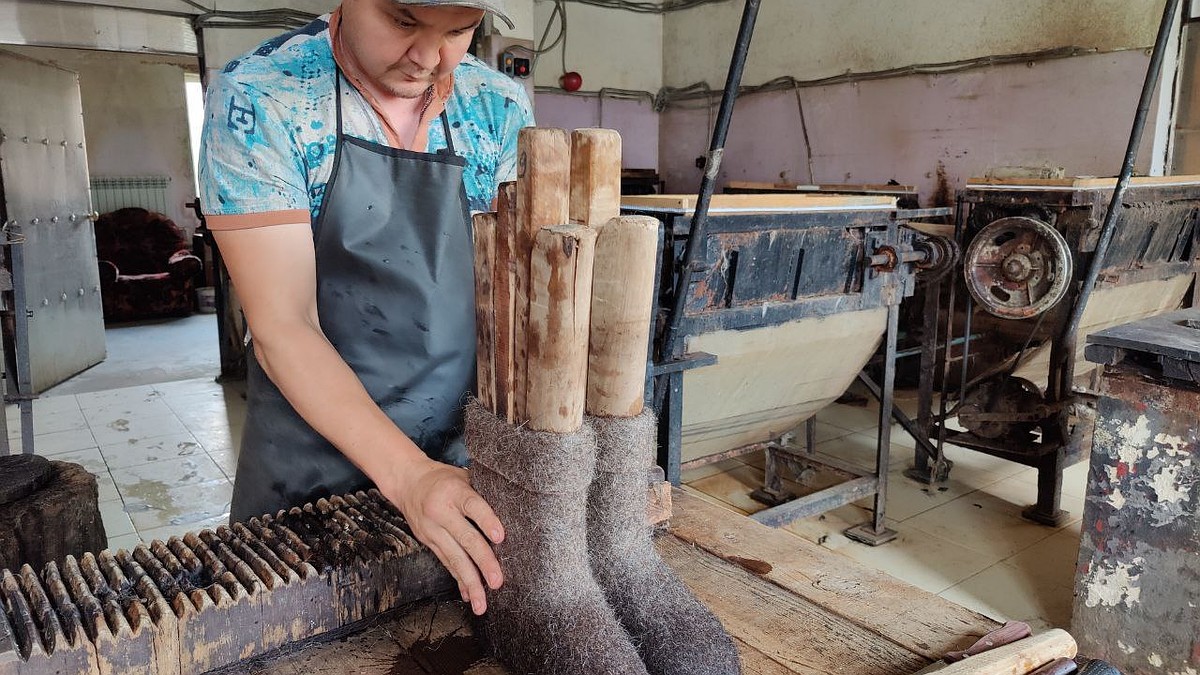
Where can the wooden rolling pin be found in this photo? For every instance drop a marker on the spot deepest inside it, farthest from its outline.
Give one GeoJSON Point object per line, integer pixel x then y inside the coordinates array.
{"type": "Point", "coordinates": [1018, 658]}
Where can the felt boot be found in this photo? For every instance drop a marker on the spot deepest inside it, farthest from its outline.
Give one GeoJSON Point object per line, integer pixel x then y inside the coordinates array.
{"type": "Point", "coordinates": [673, 631]}
{"type": "Point", "coordinates": [550, 617]}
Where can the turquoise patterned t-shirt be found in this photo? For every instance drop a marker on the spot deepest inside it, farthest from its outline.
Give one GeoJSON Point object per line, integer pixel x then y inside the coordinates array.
{"type": "Point", "coordinates": [270, 127]}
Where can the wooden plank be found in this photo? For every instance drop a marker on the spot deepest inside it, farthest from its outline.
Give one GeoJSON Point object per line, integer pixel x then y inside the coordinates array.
{"type": "Point", "coordinates": [504, 282]}
{"type": "Point", "coordinates": [823, 187]}
{"type": "Point", "coordinates": [788, 629]}
{"type": "Point", "coordinates": [560, 300]}
{"type": "Point", "coordinates": [750, 203]}
{"type": "Point", "coordinates": [922, 622]}
{"type": "Point", "coordinates": [485, 316]}
{"type": "Point", "coordinates": [1084, 182]}
{"type": "Point", "coordinates": [622, 302]}
{"type": "Point", "coordinates": [595, 176]}
{"type": "Point", "coordinates": [543, 200]}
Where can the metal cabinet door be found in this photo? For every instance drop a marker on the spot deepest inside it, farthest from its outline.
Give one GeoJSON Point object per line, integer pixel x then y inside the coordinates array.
{"type": "Point", "coordinates": [44, 197]}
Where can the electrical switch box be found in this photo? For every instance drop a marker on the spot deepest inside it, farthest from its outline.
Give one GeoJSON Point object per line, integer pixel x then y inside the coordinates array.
{"type": "Point", "coordinates": [513, 65]}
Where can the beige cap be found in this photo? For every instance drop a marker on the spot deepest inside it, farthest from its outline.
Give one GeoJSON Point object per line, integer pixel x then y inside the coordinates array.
{"type": "Point", "coordinates": [494, 6]}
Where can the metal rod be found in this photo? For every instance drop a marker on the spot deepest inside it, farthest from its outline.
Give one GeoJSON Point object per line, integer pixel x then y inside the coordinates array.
{"type": "Point", "coordinates": [712, 167]}
{"type": "Point", "coordinates": [21, 315]}
{"type": "Point", "coordinates": [1153, 74]}
{"type": "Point", "coordinates": [886, 408]}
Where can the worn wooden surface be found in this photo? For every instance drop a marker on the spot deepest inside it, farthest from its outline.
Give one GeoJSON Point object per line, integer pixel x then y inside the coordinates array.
{"type": "Point", "coordinates": [484, 231]}
{"type": "Point", "coordinates": [595, 176]}
{"type": "Point", "coordinates": [504, 281]}
{"type": "Point", "coordinates": [560, 300]}
{"type": "Point", "coordinates": [767, 202]}
{"type": "Point", "coordinates": [790, 606]}
{"type": "Point", "coordinates": [1082, 182]}
{"type": "Point", "coordinates": [543, 194]}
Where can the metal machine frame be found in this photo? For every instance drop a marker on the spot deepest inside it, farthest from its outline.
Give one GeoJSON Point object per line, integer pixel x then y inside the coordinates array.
{"type": "Point", "coordinates": [881, 259]}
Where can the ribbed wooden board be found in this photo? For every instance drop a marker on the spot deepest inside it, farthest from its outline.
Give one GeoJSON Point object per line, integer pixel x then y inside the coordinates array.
{"type": "Point", "coordinates": [790, 606]}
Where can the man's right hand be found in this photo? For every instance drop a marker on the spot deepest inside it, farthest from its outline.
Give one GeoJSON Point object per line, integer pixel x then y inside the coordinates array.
{"type": "Point", "coordinates": [448, 516]}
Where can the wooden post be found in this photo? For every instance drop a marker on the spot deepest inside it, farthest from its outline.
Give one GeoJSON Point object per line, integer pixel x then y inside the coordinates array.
{"type": "Point", "coordinates": [595, 176]}
{"type": "Point", "coordinates": [485, 326]}
{"type": "Point", "coordinates": [622, 301]}
{"type": "Point", "coordinates": [543, 193]}
{"type": "Point", "coordinates": [504, 296]}
{"type": "Point", "coordinates": [560, 299]}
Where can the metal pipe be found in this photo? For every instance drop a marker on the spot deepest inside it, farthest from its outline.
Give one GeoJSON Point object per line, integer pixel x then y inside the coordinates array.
{"type": "Point", "coordinates": [712, 167]}
{"type": "Point", "coordinates": [1153, 74]}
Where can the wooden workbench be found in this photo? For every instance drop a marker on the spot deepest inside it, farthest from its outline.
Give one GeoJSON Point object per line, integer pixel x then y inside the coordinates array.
{"type": "Point", "coordinates": [791, 606]}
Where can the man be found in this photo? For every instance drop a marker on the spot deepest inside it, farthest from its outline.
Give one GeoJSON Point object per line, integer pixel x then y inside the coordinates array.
{"type": "Point", "coordinates": [339, 164]}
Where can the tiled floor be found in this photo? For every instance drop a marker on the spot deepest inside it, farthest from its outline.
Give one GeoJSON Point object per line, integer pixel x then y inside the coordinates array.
{"type": "Point", "coordinates": [964, 540]}
{"type": "Point", "coordinates": [165, 456]}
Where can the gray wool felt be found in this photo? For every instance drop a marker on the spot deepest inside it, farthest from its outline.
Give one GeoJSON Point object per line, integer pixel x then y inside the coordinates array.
{"type": "Point", "coordinates": [550, 617]}
{"type": "Point", "coordinates": [673, 631]}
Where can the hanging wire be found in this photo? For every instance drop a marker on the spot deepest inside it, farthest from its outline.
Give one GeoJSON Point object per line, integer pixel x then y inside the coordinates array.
{"type": "Point", "coordinates": [700, 95]}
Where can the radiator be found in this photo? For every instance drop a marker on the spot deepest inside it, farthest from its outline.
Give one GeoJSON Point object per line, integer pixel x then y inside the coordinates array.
{"type": "Point", "coordinates": [110, 193]}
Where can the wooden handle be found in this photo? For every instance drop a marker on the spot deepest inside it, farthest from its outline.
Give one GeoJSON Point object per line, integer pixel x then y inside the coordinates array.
{"type": "Point", "coordinates": [595, 176]}
{"type": "Point", "coordinates": [484, 225]}
{"type": "Point", "coordinates": [543, 193]}
{"type": "Point", "coordinates": [560, 299]}
{"type": "Point", "coordinates": [622, 301]}
{"type": "Point", "coordinates": [504, 279]}
{"type": "Point", "coordinates": [1017, 658]}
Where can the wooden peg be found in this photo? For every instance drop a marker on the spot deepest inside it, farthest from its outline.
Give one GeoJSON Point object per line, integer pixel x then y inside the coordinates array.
{"type": "Point", "coordinates": [543, 194]}
{"type": "Point", "coordinates": [622, 301]}
{"type": "Point", "coordinates": [560, 299]}
{"type": "Point", "coordinates": [595, 176]}
{"type": "Point", "coordinates": [504, 297]}
{"type": "Point", "coordinates": [485, 326]}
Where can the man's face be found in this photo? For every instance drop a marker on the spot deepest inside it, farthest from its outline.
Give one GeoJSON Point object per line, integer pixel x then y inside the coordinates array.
{"type": "Point", "coordinates": [402, 49]}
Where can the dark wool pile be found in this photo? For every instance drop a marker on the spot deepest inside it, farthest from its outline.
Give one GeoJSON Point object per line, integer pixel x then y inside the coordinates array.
{"type": "Point", "coordinates": [673, 631]}
{"type": "Point", "coordinates": [550, 617]}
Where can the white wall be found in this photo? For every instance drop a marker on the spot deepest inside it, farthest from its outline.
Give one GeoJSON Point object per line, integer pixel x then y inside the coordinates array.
{"type": "Point", "coordinates": [30, 23]}
{"type": "Point", "coordinates": [810, 39]}
{"type": "Point", "coordinates": [134, 117]}
{"type": "Point", "coordinates": [609, 48]}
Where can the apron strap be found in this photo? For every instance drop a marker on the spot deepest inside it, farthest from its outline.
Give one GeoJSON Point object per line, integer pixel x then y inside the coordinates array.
{"type": "Point", "coordinates": [337, 88]}
{"type": "Point", "coordinates": [446, 131]}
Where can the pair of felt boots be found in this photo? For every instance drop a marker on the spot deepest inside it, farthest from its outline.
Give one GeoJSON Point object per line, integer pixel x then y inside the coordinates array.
{"type": "Point", "coordinates": [584, 589]}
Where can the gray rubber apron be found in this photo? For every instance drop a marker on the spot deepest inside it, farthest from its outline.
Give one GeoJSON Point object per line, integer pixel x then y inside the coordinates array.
{"type": "Point", "coordinates": [395, 298]}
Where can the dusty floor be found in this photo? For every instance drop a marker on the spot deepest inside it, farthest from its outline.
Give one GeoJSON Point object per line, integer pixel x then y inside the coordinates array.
{"type": "Point", "coordinates": [165, 453]}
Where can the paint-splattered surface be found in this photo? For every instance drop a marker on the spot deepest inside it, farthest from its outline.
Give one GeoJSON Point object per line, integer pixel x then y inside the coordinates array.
{"type": "Point", "coordinates": [1138, 580]}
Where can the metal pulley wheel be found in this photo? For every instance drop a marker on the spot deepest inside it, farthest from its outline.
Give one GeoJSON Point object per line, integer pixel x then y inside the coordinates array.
{"type": "Point", "coordinates": [1002, 407]}
{"type": "Point", "coordinates": [941, 255]}
{"type": "Point", "coordinates": [1018, 267]}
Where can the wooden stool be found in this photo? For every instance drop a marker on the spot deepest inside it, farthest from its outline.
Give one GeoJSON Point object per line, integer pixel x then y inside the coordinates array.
{"type": "Point", "coordinates": [48, 510]}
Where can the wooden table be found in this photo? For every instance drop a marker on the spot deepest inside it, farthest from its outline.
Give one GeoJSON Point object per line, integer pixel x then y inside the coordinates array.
{"type": "Point", "coordinates": [791, 606]}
